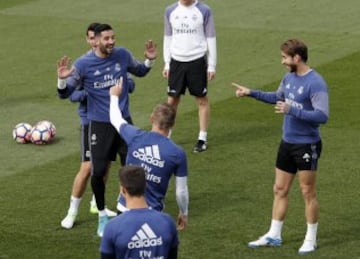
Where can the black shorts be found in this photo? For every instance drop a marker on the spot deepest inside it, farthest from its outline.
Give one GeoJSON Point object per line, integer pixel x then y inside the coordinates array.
{"type": "Point", "coordinates": [84, 143]}
{"type": "Point", "coordinates": [106, 142]}
{"type": "Point", "coordinates": [294, 157]}
{"type": "Point", "coordinates": [191, 75]}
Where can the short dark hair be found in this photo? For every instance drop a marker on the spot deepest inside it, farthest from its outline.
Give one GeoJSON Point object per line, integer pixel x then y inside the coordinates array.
{"type": "Point", "coordinates": [102, 27]}
{"type": "Point", "coordinates": [132, 178]}
{"type": "Point", "coordinates": [92, 27]}
{"type": "Point", "coordinates": [294, 47]}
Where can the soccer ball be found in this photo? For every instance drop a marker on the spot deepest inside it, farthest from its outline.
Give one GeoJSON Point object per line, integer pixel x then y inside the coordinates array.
{"type": "Point", "coordinates": [50, 126]}
{"type": "Point", "coordinates": [40, 134]}
{"type": "Point", "coordinates": [22, 132]}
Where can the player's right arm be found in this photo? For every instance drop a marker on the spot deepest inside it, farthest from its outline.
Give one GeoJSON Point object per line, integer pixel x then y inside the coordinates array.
{"type": "Point", "coordinates": [267, 97]}
{"type": "Point", "coordinates": [68, 78]}
{"type": "Point", "coordinates": [116, 117]}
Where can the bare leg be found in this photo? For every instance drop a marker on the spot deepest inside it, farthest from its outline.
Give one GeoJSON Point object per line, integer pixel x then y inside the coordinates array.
{"type": "Point", "coordinates": [204, 112]}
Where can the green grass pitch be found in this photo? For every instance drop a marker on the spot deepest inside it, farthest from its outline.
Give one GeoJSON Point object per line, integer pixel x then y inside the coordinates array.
{"type": "Point", "coordinates": [231, 184]}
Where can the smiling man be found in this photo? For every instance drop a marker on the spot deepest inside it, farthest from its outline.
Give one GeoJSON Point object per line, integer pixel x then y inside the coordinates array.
{"type": "Point", "coordinates": [302, 98]}
{"type": "Point", "coordinates": [97, 71]}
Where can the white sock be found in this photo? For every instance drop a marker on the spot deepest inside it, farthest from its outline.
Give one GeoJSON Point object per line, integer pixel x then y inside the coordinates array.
{"type": "Point", "coordinates": [74, 205]}
{"type": "Point", "coordinates": [93, 201]}
{"type": "Point", "coordinates": [311, 231]}
{"type": "Point", "coordinates": [202, 135]}
{"type": "Point", "coordinates": [275, 229]}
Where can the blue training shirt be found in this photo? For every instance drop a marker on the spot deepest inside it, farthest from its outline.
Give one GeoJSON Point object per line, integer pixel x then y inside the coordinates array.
{"type": "Point", "coordinates": [97, 75]}
{"type": "Point", "coordinates": [159, 156]}
{"type": "Point", "coordinates": [309, 105]}
{"type": "Point", "coordinates": [139, 233]}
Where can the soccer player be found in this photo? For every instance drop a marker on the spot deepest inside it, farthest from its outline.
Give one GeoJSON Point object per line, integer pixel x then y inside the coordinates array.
{"type": "Point", "coordinates": [156, 153]}
{"type": "Point", "coordinates": [140, 232]}
{"type": "Point", "coordinates": [302, 98]}
{"type": "Point", "coordinates": [97, 71]}
{"type": "Point", "coordinates": [190, 57]}
{"type": "Point", "coordinates": [81, 178]}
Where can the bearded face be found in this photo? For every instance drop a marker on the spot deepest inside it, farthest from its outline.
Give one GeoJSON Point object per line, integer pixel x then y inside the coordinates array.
{"type": "Point", "coordinates": [106, 42]}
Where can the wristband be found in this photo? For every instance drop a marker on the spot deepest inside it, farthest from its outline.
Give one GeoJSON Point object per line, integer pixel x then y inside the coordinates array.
{"type": "Point", "coordinates": [61, 84]}
{"type": "Point", "coordinates": [149, 62]}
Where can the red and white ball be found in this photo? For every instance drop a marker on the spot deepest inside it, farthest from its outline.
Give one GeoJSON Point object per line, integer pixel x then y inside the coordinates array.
{"type": "Point", "coordinates": [22, 132]}
{"type": "Point", "coordinates": [40, 134]}
{"type": "Point", "coordinates": [50, 126]}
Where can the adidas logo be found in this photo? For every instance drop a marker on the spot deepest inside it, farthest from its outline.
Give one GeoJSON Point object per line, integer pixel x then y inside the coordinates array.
{"type": "Point", "coordinates": [306, 157]}
{"type": "Point", "coordinates": [144, 237]}
{"type": "Point", "coordinates": [150, 155]}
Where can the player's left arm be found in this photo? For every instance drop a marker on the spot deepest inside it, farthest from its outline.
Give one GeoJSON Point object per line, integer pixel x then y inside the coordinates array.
{"type": "Point", "coordinates": [140, 69]}
{"type": "Point", "coordinates": [210, 34]}
{"type": "Point", "coordinates": [182, 199]}
{"type": "Point", "coordinates": [78, 96]}
{"type": "Point", "coordinates": [319, 114]}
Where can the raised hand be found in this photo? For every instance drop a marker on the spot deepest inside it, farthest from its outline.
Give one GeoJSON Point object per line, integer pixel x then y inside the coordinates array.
{"type": "Point", "coordinates": [150, 50]}
{"type": "Point", "coordinates": [117, 88]}
{"type": "Point", "coordinates": [63, 67]}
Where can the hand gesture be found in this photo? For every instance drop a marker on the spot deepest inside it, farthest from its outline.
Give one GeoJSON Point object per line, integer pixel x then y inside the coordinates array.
{"type": "Point", "coordinates": [150, 50]}
{"type": "Point", "coordinates": [63, 67]}
{"type": "Point", "coordinates": [181, 221]}
{"type": "Point", "coordinates": [282, 107]}
{"type": "Point", "coordinates": [117, 88]}
{"type": "Point", "coordinates": [241, 90]}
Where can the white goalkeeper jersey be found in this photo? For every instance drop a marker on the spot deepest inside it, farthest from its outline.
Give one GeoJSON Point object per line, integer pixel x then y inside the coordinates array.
{"type": "Point", "coordinates": [189, 34]}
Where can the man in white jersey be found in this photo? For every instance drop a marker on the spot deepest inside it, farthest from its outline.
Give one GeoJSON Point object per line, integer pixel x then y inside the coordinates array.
{"type": "Point", "coordinates": [302, 98]}
{"type": "Point", "coordinates": [140, 232]}
{"type": "Point", "coordinates": [190, 57]}
{"type": "Point", "coordinates": [156, 153]}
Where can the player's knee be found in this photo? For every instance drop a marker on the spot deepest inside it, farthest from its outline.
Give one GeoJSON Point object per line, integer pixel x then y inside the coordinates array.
{"type": "Point", "coordinates": [308, 191]}
{"type": "Point", "coordinates": [202, 101]}
{"type": "Point", "coordinates": [99, 168]}
{"type": "Point", "coordinates": [280, 190]}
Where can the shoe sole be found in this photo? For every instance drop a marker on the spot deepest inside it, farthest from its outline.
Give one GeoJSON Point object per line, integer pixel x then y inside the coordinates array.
{"type": "Point", "coordinates": [308, 252]}
{"type": "Point", "coordinates": [271, 243]}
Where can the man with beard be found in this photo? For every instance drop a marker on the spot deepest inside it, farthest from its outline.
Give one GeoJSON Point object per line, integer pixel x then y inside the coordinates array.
{"type": "Point", "coordinates": [302, 98]}
{"type": "Point", "coordinates": [97, 72]}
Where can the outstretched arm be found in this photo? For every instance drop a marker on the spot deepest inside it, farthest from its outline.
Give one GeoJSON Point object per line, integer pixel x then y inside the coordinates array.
{"type": "Point", "coordinates": [115, 113]}
{"type": "Point", "coordinates": [241, 91]}
{"type": "Point", "coordinates": [266, 97]}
